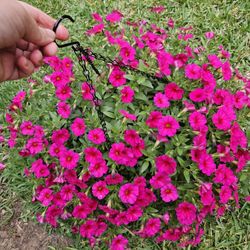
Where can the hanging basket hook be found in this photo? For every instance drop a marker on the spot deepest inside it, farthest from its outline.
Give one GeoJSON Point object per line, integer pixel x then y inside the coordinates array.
{"type": "Point", "coordinates": [56, 26]}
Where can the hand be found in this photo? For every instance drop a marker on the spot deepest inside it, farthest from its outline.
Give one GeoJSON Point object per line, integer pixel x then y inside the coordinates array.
{"type": "Point", "coordinates": [25, 38]}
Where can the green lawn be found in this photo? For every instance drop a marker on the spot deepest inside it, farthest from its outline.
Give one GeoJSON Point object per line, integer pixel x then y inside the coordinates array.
{"type": "Point", "coordinates": [230, 20]}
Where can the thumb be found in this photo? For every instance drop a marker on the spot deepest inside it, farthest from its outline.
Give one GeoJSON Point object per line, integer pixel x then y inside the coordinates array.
{"type": "Point", "coordinates": [36, 34]}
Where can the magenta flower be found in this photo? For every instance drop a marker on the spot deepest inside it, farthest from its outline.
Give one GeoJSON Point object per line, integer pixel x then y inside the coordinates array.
{"type": "Point", "coordinates": [78, 127]}
{"type": "Point", "coordinates": [117, 77]}
{"type": "Point", "coordinates": [161, 101]}
{"type": "Point", "coordinates": [96, 136]}
{"type": "Point", "coordinates": [127, 94]}
{"type": "Point", "coordinates": [27, 128]}
{"type": "Point", "coordinates": [114, 179]}
{"type": "Point", "coordinates": [206, 164]}
{"type": "Point", "coordinates": [87, 93]}
{"type": "Point", "coordinates": [166, 218]}
{"type": "Point", "coordinates": [63, 109]}
{"type": "Point", "coordinates": [40, 169]}
{"type": "Point", "coordinates": [127, 115]}
{"type": "Point", "coordinates": [60, 136]}
{"type": "Point", "coordinates": [80, 212]}
{"type": "Point", "coordinates": [221, 120]}
{"type": "Point", "coordinates": [119, 243]}
{"type": "Point", "coordinates": [152, 227]}
{"type": "Point", "coordinates": [134, 213]}
{"type": "Point", "coordinates": [88, 229]}
{"type": "Point", "coordinates": [237, 138]}
{"type": "Point", "coordinates": [56, 149]}
{"type": "Point", "coordinates": [116, 152]}
{"type": "Point", "coordinates": [63, 92]}
{"type": "Point", "coordinates": [98, 168]}
{"type": "Point", "coordinates": [34, 145]}
{"type": "Point", "coordinates": [92, 154]}
{"type": "Point", "coordinates": [69, 159]}
{"type": "Point", "coordinates": [131, 137]}
{"type": "Point", "coordinates": [197, 120]}
{"type": "Point", "coordinates": [128, 193]}
{"type": "Point", "coordinates": [153, 119]}
{"type": "Point", "coordinates": [159, 180]}
{"type": "Point", "coordinates": [2, 166]}
{"type": "Point", "coordinates": [168, 126]}
{"type": "Point", "coordinates": [193, 71]}
{"type": "Point", "coordinates": [226, 71]}
{"type": "Point", "coordinates": [214, 61]}
{"type": "Point", "coordinates": [186, 213]}
{"type": "Point", "coordinates": [224, 175]}
{"type": "Point", "coordinates": [45, 196]}
{"type": "Point", "coordinates": [100, 190]}
{"type": "Point", "coordinates": [206, 194]}
{"type": "Point", "coordinates": [127, 53]}
{"type": "Point", "coordinates": [209, 35]}
{"type": "Point", "coordinates": [67, 192]}
{"type": "Point", "coordinates": [225, 194]}
{"type": "Point", "coordinates": [173, 91]}
{"type": "Point", "coordinates": [198, 95]}
{"type": "Point", "coordinates": [165, 164]}
{"type": "Point", "coordinates": [169, 193]}
{"type": "Point", "coordinates": [114, 17]}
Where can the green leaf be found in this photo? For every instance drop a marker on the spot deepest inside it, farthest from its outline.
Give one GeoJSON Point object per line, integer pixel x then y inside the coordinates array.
{"type": "Point", "coordinates": [186, 175]}
{"type": "Point", "coordinates": [144, 167]}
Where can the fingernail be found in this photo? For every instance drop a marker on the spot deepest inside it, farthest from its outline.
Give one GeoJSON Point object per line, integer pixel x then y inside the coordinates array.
{"type": "Point", "coordinates": [50, 34]}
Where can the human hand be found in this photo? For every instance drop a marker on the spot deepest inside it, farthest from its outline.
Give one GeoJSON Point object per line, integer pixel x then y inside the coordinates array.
{"type": "Point", "coordinates": [25, 38]}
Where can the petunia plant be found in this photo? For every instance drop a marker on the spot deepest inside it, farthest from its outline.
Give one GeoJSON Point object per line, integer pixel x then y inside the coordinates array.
{"type": "Point", "coordinates": [176, 146]}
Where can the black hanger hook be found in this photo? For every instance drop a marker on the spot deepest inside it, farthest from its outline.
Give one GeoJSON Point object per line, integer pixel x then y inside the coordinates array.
{"type": "Point", "coordinates": [56, 26]}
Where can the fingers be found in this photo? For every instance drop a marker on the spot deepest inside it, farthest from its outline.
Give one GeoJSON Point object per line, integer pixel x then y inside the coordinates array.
{"type": "Point", "coordinates": [46, 21]}
{"type": "Point", "coordinates": [50, 49]}
{"type": "Point", "coordinates": [25, 67]}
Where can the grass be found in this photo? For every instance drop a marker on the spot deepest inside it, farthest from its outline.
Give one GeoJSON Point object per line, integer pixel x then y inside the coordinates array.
{"type": "Point", "coordinates": [230, 20]}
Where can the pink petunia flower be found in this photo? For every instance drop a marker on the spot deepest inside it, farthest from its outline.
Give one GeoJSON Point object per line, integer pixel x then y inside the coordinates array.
{"type": "Point", "coordinates": [35, 145]}
{"type": "Point", "coordinates": [224, 175]}
{"type": "Point", "coordinates": [100, 190]}
{"type": "Point", "coordinates": [96, 136]}
{"type": "Point", "coordinates": [221, 120]}
{"type": "Point", "coordinates": [173, 91]}
{"type": "Point", "coordinates": [92, 154]}
{"type": "Point", "coordinates": [63, 92]}
{"type": "Point", "coordinates": [168, 126]}
{"type": "Point", "coordinates": [114, 179]}
{"type": "Point", "coordinates": [45, 196]}
{"type": "Point", "coordinates": [127, 53]}
{"type": "Point", "coordinates": [225, 194]}
{"type": "Point", "coordinates": [87, 92]}
{"type": "Point", "coordinates": [40, 169]}
{"type": "Point", "coordinates": [127, 115]}
{"type": "Point", "coordinates": [67, 192]}
{"type": "Point", "coordinates": [117, 77]}
{"type": "Point", "coordinates": [159, 180]}
{"type": "Point", "coordinates": [134, 213]}
{"type": "Point", "coordinates": [98, 168]}
{"type": "Point", "coordinates": [226, 71]}
{"type": "Point", "coordinates": [152, 227]}
{"type": "Point", "coordinates": [153, 119]}
{"type": "Point", "coordinates": [198, 95]}
{"type": "Point", "coordinates": [69, 159]}
{"type": "Point", "coordinates": [127, 94]}
{"type": "Point", "coordinates": [78, 127]}
{"type": "Point", "coordinates": [119, 243]}
{"type": "Point", "coordinates": [63, 109]}
{"type": "Point", "coordinates": [165, 164]}
{"type": "Point", "coordinates": [27, 128]}
{"type": "Point", "coordinates": [206, 194]}
{"type": "Point", "coordinates": [215, 61]}
{"type": "Point", "coordinates": [186, 213]}
{"type": "Point", "coordinates": [88, 229]}
{"type": "Point", "coordinates": [2, 166]}
{"type": "Point", "coordinates": [80, 212]}
{"type": "Point", "coordinates": [56, 149]}
{"type": "Point", "coordinates": [128, 193]}
{"type": "Point", "coordinates": [161, 101]}
{"type": "Point", "coordinates": [206, 164]}
{"type": "Point", "coordinates": [166, 218]}
{"type": "Point", "coordinates": [237, 138]}
{"type": "Point", "coordinates": [209, 35]}
{"type": "Point", "coordinates": [114, 17]}
{"type": "Point", "coordinates": [60, 136]}
{"type": "Point", "coordinates": [197, 120]}
{"type": "Point", "coordinates": [193, 71]}
{"type": "Point", "coordinates": [169, 193]}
